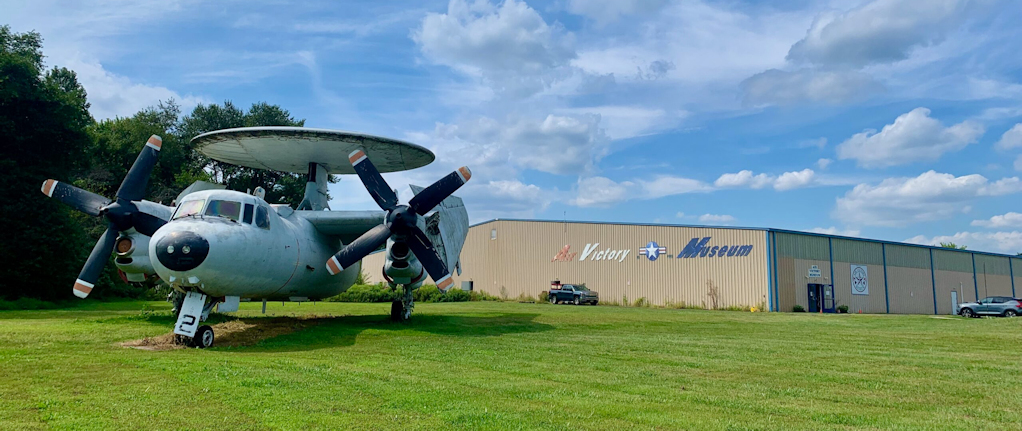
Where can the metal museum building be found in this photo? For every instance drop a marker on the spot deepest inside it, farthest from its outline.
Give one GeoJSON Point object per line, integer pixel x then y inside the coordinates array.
{"type": "Point", "coordinates": [769, 269]}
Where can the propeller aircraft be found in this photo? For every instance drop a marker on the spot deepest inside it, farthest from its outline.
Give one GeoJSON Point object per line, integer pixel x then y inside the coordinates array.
{"type": "Point", "coordinates": [216, 246]}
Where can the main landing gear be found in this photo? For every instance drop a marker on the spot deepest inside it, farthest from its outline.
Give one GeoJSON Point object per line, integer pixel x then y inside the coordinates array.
{"type": "Point", "coordinates": [401, 310]}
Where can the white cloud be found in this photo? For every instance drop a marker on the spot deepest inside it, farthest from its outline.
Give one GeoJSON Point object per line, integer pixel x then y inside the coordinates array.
{"type": "Point", "coordinates": [717, 218]}
{"type": "Point", "coordinates": [823, 163]}
{"type": "Point", "coordinates": [807, 85]}
{"type": "Point", "coordinates": [113, 95]}
{"type": "Point", "coordinates": [601, 192]}
{"type": "Point", "coordinates": [913, 137]}
{"type": "Point", "coordinates": [786, 181]}
{"type": "Point", "coordinates": [608, 11]}
{"type": "Point", "coordinates": [1003, 242]}
{"type": "Point", "coordinates": [1010, 139]}
{"type": "Point", "coordinates": [880, 31]}
{"type": "Point", "coordinates": [669, 185]}
{"type": "Point", "coordinates": [835, 231]}
{"type": "Point", "coordinates": [680, 215]}
{"type": "Point", "coordinates": [508, 45]}
{"type": "Point", "coordinates": [793, 180]}
{"type": "Point", "coordinates": [566, 145]}
{"type": "Point", "coordinates": [930, 196]}
{"type": "Point", "coordinates": [1011, 219]}
{"type": "Point", "coordinates": [819, 143]}
{"type": "Point", "coordinates": [623, 122]}
{"type": "Point", "coordinates": [744, 178]}
{"type": "Point", "coordinates": [707, 42]}
{"type": "Point", "coordinates": [507, 198]}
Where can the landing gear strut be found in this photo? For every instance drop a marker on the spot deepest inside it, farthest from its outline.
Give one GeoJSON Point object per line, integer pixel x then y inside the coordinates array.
{"type": "Point", "coordinates": [401, 310]}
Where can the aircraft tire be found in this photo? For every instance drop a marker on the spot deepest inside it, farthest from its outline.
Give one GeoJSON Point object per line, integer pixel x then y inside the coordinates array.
{"type": "Point", "coordinates": [397, 311]}
{"type": "Point", "coordinates": [203, 337]}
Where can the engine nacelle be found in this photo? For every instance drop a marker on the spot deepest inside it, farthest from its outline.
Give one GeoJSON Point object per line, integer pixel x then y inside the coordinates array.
{"type": "Point", "coordinates": [132, 249]}
{"type": "Point", "coordinates": [402, 267]}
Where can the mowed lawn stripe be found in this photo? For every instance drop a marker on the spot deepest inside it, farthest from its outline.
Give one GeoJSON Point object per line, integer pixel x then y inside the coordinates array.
{"type": "Point", "coordinates": [521, 366]}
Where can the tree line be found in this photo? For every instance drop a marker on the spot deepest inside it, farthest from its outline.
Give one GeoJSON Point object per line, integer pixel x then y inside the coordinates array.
{"type": "Point", "coordinates": [46, 131]}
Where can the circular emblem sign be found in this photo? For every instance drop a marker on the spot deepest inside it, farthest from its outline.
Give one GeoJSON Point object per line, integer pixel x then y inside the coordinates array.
{"type": "Point", "coordinates": [860, 283]}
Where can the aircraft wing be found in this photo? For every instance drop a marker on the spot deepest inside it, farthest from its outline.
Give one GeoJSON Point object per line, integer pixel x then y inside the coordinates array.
{"type": "Point", "coordinates": [346, 225]}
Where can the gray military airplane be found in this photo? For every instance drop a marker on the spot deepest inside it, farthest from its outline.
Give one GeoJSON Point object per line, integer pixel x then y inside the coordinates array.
{"type": "Point", "coordinates": [216, 246]}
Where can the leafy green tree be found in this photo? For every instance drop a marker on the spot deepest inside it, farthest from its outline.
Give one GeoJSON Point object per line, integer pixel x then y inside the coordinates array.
{"type": "Point", "coordinates": [43, 121]}
{"type": "Point", "coordinates": [953, 245]}
{"type": "Point", "coordinates": [281, 187]}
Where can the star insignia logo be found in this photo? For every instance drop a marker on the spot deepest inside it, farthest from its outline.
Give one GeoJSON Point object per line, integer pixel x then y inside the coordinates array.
{"type": "Point", "coordinates": [652, 250]}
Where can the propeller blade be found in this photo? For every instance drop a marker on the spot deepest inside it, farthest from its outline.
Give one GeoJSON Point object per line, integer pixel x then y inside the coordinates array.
{"type": "Point", "coordinates": [94, 266]}
{"type": "Point", "coordinates": [133, 186]}
{"type": "Point", "coordinates": [359, 248]}
{"type": "Point", "coordinates": [146, 224]}
{"type": "Point", "coordinates": [371, 178]}
{"type": "Point", "coordinates": [419, 243]}
{"type": "Point", "coordinates": [81, 200]}
{"type": "Point", "coordinates": [431, 196]}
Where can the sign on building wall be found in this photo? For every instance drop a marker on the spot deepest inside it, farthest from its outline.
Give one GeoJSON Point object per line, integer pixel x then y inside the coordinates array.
{"type": "Point", "coordinates": [860, 280]}
{"type": "Point", "coordinates": [814, 272]}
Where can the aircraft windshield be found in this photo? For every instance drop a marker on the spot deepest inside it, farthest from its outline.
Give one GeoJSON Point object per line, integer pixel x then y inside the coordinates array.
{"type": "Point", "coordinates": [188, 208]}
{"type": "Point", "coordinates": [229, 209]}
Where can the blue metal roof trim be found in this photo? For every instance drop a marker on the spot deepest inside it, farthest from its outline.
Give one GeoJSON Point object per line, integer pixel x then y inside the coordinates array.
{"type": "Point", "coordinates": [766, 229]}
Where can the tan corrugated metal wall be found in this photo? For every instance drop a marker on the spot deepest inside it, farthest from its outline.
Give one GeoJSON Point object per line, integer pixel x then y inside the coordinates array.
{"type": "Point", "coordinates": [953, 272]}
{"type": "Point", "coordinates": [796, 254]}
{"type": "Point", "coordinates": [1016, 287]}
{"type": "Point", "coordinates": [870, 254]}
{"type": "Point", "coordinates": [992, 276]}
{"type": "Point", "coordinates": [519, 261]}
{"type": "Point", "coordinates": [909, 280]}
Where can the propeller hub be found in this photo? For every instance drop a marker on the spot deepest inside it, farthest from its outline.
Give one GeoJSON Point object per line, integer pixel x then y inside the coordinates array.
{"type": "Point", "coordinates": [401, 219]}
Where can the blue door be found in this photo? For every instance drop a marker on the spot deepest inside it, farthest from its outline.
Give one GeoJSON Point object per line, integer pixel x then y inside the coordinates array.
{"type": "Point", "coordinates": [828, 298]}
{"type": "Point", "coordinates": [821, 298]}
{"type": "Point", "coordinates": [815, 291]}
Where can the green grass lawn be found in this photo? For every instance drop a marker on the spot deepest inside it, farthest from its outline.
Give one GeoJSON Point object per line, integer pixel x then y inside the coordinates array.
{"type": "Point", "coordinates": [488, 365]}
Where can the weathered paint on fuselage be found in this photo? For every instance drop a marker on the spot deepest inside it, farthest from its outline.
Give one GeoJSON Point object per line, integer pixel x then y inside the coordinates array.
{"type": "Point", "coordinates": [282, 262]}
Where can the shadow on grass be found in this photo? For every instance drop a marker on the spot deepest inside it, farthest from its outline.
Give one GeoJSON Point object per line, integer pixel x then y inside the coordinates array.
{"type": "Point", "coordinates": [311, 332]}
{"type": "Point", "coordinates": [334, 331]}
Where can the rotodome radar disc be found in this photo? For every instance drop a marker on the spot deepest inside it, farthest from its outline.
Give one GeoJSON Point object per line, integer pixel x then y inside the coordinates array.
{"type": "Point", "coordinates": [291, 149]}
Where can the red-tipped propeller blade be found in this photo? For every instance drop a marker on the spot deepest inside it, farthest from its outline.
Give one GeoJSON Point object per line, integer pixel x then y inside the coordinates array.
{"type": "Point", "coordinates": [373, 181]}
{"type": "Point", "coordinates": [431, 196]}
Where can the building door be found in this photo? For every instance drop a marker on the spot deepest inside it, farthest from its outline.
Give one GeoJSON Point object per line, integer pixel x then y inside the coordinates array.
{"type": "Point", "coordinates": [814, 297]}
{"type": "Point", "coordinates": [821, 298]}
{"type": "Point", "coordinates": [954, 302]}
{"type": "Point", "coordinates": [828, 298]}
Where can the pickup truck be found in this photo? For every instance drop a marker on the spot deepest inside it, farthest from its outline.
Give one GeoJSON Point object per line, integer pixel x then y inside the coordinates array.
{"type": "Point", "coordinates": [572, 293]}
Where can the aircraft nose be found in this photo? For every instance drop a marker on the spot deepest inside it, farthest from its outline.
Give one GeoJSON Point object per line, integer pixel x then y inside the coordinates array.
{"type": "Point", "coordinates": [182, 251]}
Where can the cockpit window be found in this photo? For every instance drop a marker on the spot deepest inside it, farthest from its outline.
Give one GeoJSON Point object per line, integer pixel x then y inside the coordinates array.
{"type": "Point", "coordinates": [188, 208]}
{"type": "Point", "coordinates": [262, 217]}
{"type": "Point", "coordinates": [247, 217]}
{"type": "Point", "coordinates": [229, 209]}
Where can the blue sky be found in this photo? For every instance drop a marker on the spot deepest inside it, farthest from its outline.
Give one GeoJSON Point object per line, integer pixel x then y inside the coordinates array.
{"type": "Point", "coordinates": [889, 119]}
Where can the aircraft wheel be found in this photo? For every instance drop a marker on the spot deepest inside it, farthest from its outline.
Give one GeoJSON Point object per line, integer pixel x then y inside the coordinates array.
{"type": "Point", "coordinates": [203, 337]}
{"type": "Point", "coordinates": [398, 312]}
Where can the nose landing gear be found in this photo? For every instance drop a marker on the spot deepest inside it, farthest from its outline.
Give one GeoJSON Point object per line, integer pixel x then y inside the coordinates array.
{"type": "Point", "coordinates": [194, 309]}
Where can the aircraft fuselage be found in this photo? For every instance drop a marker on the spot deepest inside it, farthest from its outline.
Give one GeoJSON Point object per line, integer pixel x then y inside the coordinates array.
{"type": "Point", "coordinates": [228, 243]}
